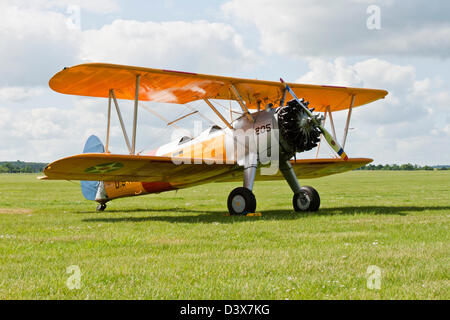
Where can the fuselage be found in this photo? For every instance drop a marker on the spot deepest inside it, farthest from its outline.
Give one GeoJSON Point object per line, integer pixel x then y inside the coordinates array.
{"type": "Point", "coordinates": [214, 145]}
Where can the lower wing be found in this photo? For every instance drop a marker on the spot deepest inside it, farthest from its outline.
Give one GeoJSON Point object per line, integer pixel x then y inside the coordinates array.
{"type": "Point", "coordinates": [309, 169]}
{"type": "Point", "coordinates": [112, 167]}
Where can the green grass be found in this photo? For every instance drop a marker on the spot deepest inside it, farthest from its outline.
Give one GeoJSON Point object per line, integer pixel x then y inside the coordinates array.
{"type": "Point", "coordinates": [182, 246]}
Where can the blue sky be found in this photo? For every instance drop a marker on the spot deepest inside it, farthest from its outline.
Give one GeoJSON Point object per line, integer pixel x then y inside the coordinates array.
{"type": "Point", "coordinates": [324, 42]}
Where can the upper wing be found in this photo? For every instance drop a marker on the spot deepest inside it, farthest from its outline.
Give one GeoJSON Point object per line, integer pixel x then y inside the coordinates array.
{"type": "Point", "coordinates": [96, 79]}
{"type": "Point", "coordinates": [113, 167]}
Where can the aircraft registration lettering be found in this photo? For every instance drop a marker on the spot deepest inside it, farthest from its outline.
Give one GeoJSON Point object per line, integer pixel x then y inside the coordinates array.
{"type": "Point", "coordinates": [262, 129]}
{"type": "Point", "coordinates": [123, 184]}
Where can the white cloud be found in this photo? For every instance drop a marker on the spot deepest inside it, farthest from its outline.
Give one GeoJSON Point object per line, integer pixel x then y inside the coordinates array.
{"type": "Point", "coordinates": [331, 28]}
{"type": "Point", "coordinates": [34, 43]}
{"type": "Point", "coordinates": [16, 94]}
{"type": "Point", "coordinates": [412, 124]}
{"type": "Point", "coordinates": [398, 129]}
{"type": "Point", "coordinates": [332, 73]}
{"type": "Point", "coordinates": [47, 133]}
{"type": "Point", "coordinates": [38, 41]}
{"type": "Point", "coordinates": [97, 6]}
{"type": "Point", "coordinates": [197, 46]}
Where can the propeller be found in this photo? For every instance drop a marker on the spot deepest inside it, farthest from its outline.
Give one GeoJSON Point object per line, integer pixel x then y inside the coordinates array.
{"type": "Point", "coordinates": [328, 137]}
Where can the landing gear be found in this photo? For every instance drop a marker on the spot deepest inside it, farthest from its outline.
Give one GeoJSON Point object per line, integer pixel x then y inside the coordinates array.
{"type": "Point", "coordinates": [307, 199]}
{"type": "Point", "coordinates": [101, 207]}
{"type": "Point", "coordinates": [241, 201]}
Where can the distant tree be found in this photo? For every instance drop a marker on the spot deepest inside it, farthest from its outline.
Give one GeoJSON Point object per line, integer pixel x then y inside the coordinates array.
{"type": "Point", "coordinates": [27, 169]}
{"type": "Point", "coordinates": [9, 167]}
{"type": "Point", "coordinates": [21, 166]}
{"type": "Point", "coordinates": [407, 166]}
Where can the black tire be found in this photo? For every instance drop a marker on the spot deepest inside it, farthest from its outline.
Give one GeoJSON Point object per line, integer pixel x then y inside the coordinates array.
{"type": "Point", "coordinates": [241, 201]}
{"type": "Point", "coordinates": [101, 207]}
{"type": "Point", "coordinates": [308, 200]}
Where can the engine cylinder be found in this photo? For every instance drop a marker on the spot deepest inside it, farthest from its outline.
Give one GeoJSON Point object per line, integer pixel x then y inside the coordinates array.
{"type": "Point", "coordinates": [298, 131]}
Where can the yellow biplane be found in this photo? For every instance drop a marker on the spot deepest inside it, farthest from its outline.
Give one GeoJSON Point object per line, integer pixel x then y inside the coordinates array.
{"type": "Point", "coordinates": [259, 145]}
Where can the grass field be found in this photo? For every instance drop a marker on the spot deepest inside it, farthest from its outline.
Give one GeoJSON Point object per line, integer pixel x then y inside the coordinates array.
{"type": "Point", "coordinates": [182, 246]}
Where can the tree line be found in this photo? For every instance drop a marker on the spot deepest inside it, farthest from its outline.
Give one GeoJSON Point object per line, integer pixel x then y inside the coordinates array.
{"type": "Point", "coordinates": [37, 167]}
{"type": "Point", "coordinates": [406, 167]}
{"type": "Point", "coordinates": [21, 167]}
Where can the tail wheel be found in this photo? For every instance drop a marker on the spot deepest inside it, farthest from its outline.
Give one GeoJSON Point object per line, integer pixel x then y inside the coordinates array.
{"type": "Point", "coordinates": [307, 199]}
{"type": "Point", "coordinates": [241, 201]}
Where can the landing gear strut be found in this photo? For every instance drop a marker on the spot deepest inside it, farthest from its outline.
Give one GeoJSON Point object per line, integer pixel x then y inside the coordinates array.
{"type": "Point", "coordinates": [101, 207]}
{"type": "Point", "coordinates": [242, 200]}
{"type": "Point", "coordinates": [305, 198]}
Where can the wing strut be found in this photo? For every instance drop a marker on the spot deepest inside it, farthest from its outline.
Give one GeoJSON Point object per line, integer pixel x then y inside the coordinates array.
{"type": "Point", "coordinates": [321, 136]}
{"type": "Point", "coordinates": [241, 103]}
{"type": "Point", "coordinates": [136, 102]}
{"type": "Point", "coordinates": [331, 122]}
{"type": "Point", "coordinates": [119, 114]}
{"type": "Point", "coordinates": [156, 114]}
{"type": "Point", "coordinates": [218, 113]}
{"type": "Point", "coordinates": [112, 96]}
{"type": "Point", "coordinates": [182, 117]}
{"type": "Point", "coordinates": [108, 125]}
{"type": "Point", "coordinates": [348, 121]}
{"type": "Point", "coordinates": [333, 129]}
{"type": "Point", "coordinates": [199, 113]}
{"type": "Point", "coordinates": [283, 98]}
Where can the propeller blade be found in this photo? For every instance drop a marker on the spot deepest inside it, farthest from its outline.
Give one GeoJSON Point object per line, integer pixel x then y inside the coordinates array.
{"type": "Point", "coordinates": [328, 137]}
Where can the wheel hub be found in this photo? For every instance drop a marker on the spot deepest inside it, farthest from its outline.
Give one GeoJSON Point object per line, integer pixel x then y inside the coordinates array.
{"type": "Point", "coordinates": [303, 201]}
{"type": "Point", "coordinates": [238, 203]}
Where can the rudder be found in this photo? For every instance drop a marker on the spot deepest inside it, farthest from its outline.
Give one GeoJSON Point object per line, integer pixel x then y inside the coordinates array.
{"type": "Point", "coordinates": [90, 188]}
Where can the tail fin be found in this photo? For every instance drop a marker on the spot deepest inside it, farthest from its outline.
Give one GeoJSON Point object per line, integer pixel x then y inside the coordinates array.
{"type": "Point", "coordinates": [93, 145]}
{"type": "Point", "coordinates": [91, 188]}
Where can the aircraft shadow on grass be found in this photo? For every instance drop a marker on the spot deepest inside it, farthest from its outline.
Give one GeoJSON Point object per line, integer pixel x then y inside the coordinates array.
{"type": "Point", "coordinates": [211, 216]}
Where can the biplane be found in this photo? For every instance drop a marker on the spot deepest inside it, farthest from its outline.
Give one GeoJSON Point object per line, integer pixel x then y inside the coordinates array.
{"type": "Point", "coordinates": [272, 128]}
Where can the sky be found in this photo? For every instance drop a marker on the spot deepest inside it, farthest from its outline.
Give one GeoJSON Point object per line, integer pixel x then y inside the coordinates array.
{"type": "Point", "coordinates": [399, 46]}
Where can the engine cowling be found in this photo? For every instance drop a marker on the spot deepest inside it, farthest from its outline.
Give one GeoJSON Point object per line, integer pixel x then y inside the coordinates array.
{"type": "Point", "coordinates": [298, 132]}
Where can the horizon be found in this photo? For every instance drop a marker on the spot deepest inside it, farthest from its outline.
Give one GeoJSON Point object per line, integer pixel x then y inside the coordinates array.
{"type": "Point", "coordinates": [372, 163]}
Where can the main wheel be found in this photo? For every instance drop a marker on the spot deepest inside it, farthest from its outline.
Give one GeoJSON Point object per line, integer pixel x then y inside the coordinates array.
{"type": "Point", "coordinates": [241, 201]}
{"type": "Point", "coordinates": [101, 207]}
{"type": "Point", "coordinates": [307, 199]}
